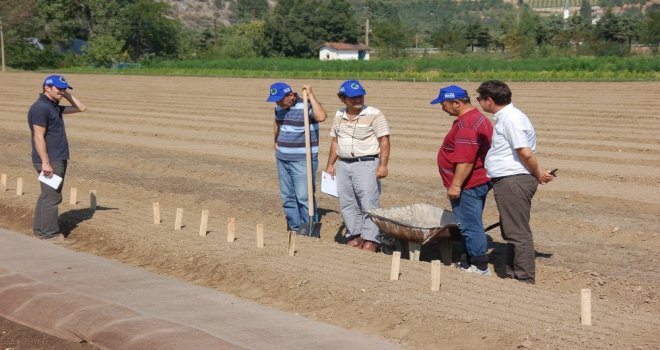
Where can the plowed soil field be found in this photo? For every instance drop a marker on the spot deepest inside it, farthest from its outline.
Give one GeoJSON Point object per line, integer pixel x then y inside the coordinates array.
{"type": "Point", "coordinates": [206, 144]}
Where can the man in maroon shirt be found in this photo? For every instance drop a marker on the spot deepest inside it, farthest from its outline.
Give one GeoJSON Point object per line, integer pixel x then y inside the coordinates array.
{"type": "Point", "coordinates": [461, 165]}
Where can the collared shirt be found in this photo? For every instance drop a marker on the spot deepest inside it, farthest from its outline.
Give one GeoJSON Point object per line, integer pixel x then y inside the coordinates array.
{"type": "Point", "coordinates": [48, 114]}
{"type": "Point", "coordinates": [359, 137]}
{"type": "Point", "coordinates": [512, 130]}
{"type": "Point", "coordinates": [467, 141]}
{"type": "Point", "coordinates": [291, 138]}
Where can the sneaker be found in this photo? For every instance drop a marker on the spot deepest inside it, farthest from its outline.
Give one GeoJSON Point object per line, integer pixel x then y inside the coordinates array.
{"type": "Point", "coordinates": [461, 266]}
{"type": "Point", "coordinates": [474, 269]}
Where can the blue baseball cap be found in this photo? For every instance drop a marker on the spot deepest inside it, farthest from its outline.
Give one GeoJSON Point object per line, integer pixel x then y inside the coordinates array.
{"type": "Point", "coordinates": [352, 88]}
{"type": "Point", "coordinates": [57, 81]}
{"type": "Point", "coordinates": [278, 91]}
{"type": "Point", "coordinates": [451, 92]}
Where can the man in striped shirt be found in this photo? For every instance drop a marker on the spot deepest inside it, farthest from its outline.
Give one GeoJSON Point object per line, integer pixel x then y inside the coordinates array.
{"type": "Point", "coordinates": [361, 141]}
{"type": "Point", "coordinates": [461, 164]}
{"type": "Point", "coordinates": [290, 151]}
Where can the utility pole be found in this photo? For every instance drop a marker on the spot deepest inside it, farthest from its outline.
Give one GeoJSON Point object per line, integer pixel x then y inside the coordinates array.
{"type": "Point", "coordinates": [367, 14]}
{"type": "Point", "coordinates": [2, 46]}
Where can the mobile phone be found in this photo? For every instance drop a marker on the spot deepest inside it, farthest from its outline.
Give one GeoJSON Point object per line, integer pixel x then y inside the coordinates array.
{"type": "Point", "coordinates": [554, 172]}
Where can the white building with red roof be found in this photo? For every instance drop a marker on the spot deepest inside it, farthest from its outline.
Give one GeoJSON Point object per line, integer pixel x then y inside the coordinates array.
{"type": "Point", "coordinates": [343, 51]}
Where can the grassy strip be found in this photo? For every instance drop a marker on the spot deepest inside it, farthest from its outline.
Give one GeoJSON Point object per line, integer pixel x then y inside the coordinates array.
{"type": "Point", "coordinates": [444, 64]}
{"type": "Point", "coordinates": [473, 68]}
{"type": "Point", "coordinates": [431, 76]}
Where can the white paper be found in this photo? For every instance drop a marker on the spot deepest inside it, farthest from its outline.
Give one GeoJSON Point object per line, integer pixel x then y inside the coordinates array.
{"type": "Point", "coordinates": [54, 181]}
{"type": "Point", "coordinates": [328, 184]}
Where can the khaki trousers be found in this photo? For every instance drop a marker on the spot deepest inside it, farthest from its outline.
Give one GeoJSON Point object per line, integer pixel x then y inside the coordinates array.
{"type": "Point", "coordinates": [513, 196]}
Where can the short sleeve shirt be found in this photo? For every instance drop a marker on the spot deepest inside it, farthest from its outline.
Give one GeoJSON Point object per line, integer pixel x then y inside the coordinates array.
{"type": "Point", "coordinates": [359, 137]}
{"type": "Point", "coordinates": [467, 141]}
{"type": "Point", "coordinates": [291, 138]}
{"type": "Point", "coordinates": [47, 113]}
{"type": "Point", "coordinates": [512, 130]}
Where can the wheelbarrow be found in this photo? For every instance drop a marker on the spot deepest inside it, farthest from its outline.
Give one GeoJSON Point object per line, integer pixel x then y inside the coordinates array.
{"type": "Point", "coordinates": [419, 224]}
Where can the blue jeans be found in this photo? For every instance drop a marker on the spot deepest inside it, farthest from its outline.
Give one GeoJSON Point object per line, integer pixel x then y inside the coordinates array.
{"type": "Point", "coordinates": [293, 191]}
{"type": "Point", "coordinates": [468, 209]}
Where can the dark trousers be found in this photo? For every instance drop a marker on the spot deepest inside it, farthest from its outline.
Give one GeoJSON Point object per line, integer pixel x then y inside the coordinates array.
{"type": "Point", "coordinates": [46, 214]}
{"type": "Point", "coordinates": [513, 196]}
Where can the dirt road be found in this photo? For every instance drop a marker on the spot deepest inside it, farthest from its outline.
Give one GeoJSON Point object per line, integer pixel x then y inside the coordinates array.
{"type": "Point", "coordinates": [206, 144]}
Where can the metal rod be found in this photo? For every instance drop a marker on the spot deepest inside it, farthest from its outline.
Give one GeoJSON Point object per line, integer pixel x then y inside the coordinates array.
{"type": "Point", "coordinates": [2, 46]}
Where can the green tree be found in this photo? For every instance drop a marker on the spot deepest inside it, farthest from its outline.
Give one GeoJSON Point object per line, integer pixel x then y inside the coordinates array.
{"type": "Point", "coordinates": [237, 41]}
{"type": "Point", "coordinates": [610, 27]}
{"type": "Point", "coordinates": [150, 31]}
{"type": "Point", "coordinates": [335, 21]}
{"type": "Point", "coordinates": [24, 33]}
{"type": "Point", "coordinates": [650, 29]}
{"type": "Point", "coordinates": [297, 27]}
{"type": "Point", "coordinates": [585, 11]}
{"type": "Point", "coordinates": [477, 35]}
{"type": "Point", "coordinates": [616, 33]}
{"type": "Point", "coordinates": [391, 37]}
{"type": "Point", "coordinates": [451, 36]}
{"type": "Point", "coordinates": [103, 50]}
{"type": "Point", "coordinates": [141, 25]}
{"type": "Point", "coordinates": [249, 10]}
{"type": "Point", "coordinates": [519, 32]}
{"type": "Point", "coordinates": [287, 31]}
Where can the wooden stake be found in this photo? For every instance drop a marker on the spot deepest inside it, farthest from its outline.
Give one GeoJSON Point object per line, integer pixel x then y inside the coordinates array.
{"type": "Point", "coordinates": [585, 307]}
{"type": "Point", "coordinates": [260, 235]}
{"type": "Point", "coordinates": [19, 186]}
{"type": "Point", "coordinates": [179, 219]}
{"type": "Point", "coordinates": [435, 275]}
{"type": "Point", "coordinates": [156, 213]}
{"type": "Point", "coordinates": [292, 243]}
{"type": "Point", "coordinates": [3, 182]}
{"type": "Point", "coordinates": [92, 199]}
{"type": "Point", "coordinates": [204, 224]}
{"type": "Point", "coordinates": [231, 229]}
{"type": "Point", "coordinates": [73, 196]}
{"type": "Point", "coordinates": [396, 265]}
{"type": "Point", "coordinates": [308, 157]}
{"type": "Point", "coordinates": [413, 250]}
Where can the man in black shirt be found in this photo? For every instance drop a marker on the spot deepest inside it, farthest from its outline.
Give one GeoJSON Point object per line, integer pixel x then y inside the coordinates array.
{"type": "Point", "coordinates": [50, 149]}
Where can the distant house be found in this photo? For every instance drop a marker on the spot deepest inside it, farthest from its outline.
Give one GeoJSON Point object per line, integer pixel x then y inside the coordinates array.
{"type": "Point", "coordinates": [343, 51]}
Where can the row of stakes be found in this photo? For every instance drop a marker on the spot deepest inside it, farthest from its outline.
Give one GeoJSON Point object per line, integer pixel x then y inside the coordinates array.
{"type": "Point", "coordinates": [585, 294]}
{"type": "Point", "coordinates": [231, 227]}
{"type": "Point", "coordinates": [72, 199]}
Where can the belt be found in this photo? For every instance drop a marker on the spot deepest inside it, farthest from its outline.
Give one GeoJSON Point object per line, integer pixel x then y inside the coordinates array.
{"type": "Point", "coordinates": [496, 179]}
{"type": "Point", "coordinates": [359, 159]}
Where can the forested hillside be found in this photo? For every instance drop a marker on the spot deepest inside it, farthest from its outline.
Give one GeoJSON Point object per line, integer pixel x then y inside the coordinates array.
{"type": "Point", "coordinates": [55, 33]}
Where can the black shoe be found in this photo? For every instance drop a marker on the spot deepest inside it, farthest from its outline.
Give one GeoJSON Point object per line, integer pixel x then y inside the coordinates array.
{"type": "Point", "coordinates": [46, 237]}
{"type": "Point", "coordinates": [526, 280]}
{"type": "Point", "coordinates": [303, 231]}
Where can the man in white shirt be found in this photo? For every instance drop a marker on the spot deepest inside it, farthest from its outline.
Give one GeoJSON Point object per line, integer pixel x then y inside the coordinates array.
{"type": "Point", "coordinates": [515, 173]}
